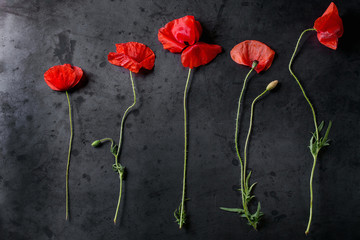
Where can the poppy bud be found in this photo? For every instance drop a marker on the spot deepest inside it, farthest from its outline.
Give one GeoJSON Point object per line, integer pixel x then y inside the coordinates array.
{"type": "Point", "coordinates": [272, 85]}
{"type": "Point", "coordinates": [254, 64]}
{"type": "Point", "coordinates": [96, 143]}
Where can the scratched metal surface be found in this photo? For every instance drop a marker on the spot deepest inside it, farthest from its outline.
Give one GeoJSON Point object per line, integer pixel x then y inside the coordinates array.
{"type": "Point", "coordinates": [35, 35]}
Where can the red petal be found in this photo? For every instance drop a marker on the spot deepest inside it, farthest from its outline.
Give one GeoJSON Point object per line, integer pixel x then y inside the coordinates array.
{"type": "Point", "coordinates": [79, 73]}
{"type": "Point", "coordinates": [199, 54]}
{"type": "Point", "coordinates": [329, 27]}
{"type": "Point", "coordinates": [132, 56]}
{"type": "Point", "coordinates": [179, 33]}
{"type": "Point", "coordinates": [169, 42]}
{"type": "Point", "coordinates": [120, 59]}
{"type": "Point", "coordinates": [60, 77]}
{"type": "Point", "coordinates": [248, 51]}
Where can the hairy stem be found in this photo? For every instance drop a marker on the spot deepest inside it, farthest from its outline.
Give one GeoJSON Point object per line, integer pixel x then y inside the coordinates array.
{"type": "Point", "coordinates": [68, 159]}
{"type": "Point", "coordinates": [253, 224]}
{"type": "Point", "coordinates": [249, 131]}
{"type": "Point", "coordinates": [315, 123]}
{"type": "Point", "coordinates": [185, 151]}
{"type": "Point", "coordinates": [120, 144]}
{"type": "Point", "coordinates": [242, 177]}
{"type": "Point", "coordinates": [311, 194]}
{"type": "Point", "coordinates": [298, 82]}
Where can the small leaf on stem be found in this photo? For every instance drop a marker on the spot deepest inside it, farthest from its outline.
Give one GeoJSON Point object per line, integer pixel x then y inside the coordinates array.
{"type": "Point", "coordinates": [235, 210]}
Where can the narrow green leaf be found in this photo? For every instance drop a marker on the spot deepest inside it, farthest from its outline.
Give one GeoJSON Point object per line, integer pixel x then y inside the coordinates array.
{"type": "Point", "coordinates": [251, 187]}
{"type": "Point", "coordinates": [311, 142]}
{"type": "Point", "coordinates": [235, 210]}
{"type": "Point", "coordinates": [177, 214]}
{"type": "Point", "coordinates": [312, 146]}
{"type": "Point", "coordinates": [113, 150]}
{"type": "Point", "coordinates": [247, 179]}
{"type": "Point", "coordinates": [320, 127]}
{"type": "Point", "coordinates": [327, 131]}
{"type": "Point", "coordinates": [258, 209]}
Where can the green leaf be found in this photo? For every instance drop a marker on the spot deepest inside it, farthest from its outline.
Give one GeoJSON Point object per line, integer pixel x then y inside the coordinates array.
{"type": "Point", "coordinates": [247, 180]}
{"type": "Point", "coordinates": [113, 150]}
{"type": "Point", "coordinates": [320, 127]}
{"type": "Point", "coordinates": [257, 214]}
{"type": "Point", "coordinates": [177, 213]}
{"type": "Point", "coordinates": [327, 132]}
{"type": "Point", "coordinates": [251, 187]}
{"type": "Point", "coordinates": [312, 146]}
{"type": "Point", "coordinates": [235, 210]}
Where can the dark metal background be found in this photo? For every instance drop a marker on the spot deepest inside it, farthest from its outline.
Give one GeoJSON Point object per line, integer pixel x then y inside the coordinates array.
{"type": "Point", "coordinates": [34, 131]}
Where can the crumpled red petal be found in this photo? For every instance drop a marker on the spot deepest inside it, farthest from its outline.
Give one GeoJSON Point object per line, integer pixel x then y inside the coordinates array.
{"type": "Point", "coordinates": [63, 77]}
{"type": "Point", "coordinates": [78, 72]}
{"type": "Point", "coordinates": [179, 33]}
{"type": "Point", "coordinates": [248, 51]}
{"type": "Point", "coordinates": [132, 56]}
{"type": "Point", "coordinates": [329, 27]}
{"type": "Point", "coordinates": [199, 54]}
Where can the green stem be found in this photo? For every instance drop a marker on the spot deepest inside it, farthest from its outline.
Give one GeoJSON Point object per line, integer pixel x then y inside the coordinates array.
{"type": "Point", "coordinates": [68, 160]}
{"type": "Point", "coordinates": [245, 155]}
{"type": "Point", "coordinates": [249, 131]}
{"type": "Point", "coordinates": [119, 200]}
{"type": "Point", "coordinates": [125, 115]}
{"type": "Point", "coordinates": [311, 194]}
{"type": "Point", "coordinates": [106, 140]}
{"type": "Point", "coordinates": [120, 144]}
{"type": "Point", "coordinates": [185, 151]}
{"type": "Point", "coordinates": [237, 137]}
{"type": "Point", "coordinates": [298, 82]}
{"type": "Point", "coordinates": [315, 123]}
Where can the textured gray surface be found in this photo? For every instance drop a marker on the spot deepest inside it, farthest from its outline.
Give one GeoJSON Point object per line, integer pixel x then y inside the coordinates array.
{"type": "Point", "coordinates": [35, 35]}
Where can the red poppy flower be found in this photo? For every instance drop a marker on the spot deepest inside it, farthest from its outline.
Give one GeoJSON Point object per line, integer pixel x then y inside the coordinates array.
{"type": "Point", "coordinates": [329, 27]}
{"type": "Point", "coordinates": [132, 56]}
{"type": "Point", "coordinates": [182, 35]}
{"type": "Point", "coordinates": [63, 77]}
{"type": "Point", "coordinates": [248, 51]}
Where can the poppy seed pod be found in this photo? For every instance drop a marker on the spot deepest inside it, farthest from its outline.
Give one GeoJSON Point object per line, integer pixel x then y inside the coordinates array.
{"type": "Point", "coordinates": [272, 85]}
{"type": "Point", "coordinates": [96, 143]}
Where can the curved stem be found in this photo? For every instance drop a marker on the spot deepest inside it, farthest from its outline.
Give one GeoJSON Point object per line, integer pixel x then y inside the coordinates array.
{"type": "Point", "coordinates": [249, 131]}
{"type": "Point", "coordinates": [124, 117]}
{"type": "Point", "coordinates": [68, 160]}
{"type": "Point", "coordinates": [311, 194]}
{"type": "Point", "coordinates": [119, 200]}
{"type": "Point", "coordinates": [298, 82]}
{"type": "Point", "coordinates": [120, 144]}
{"type": "Point", "coordinates": [185, 151]}
{"type": "Point", "coordinates": [106, 140]}
{"type": "Point", "coordinates": [237, 137]}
